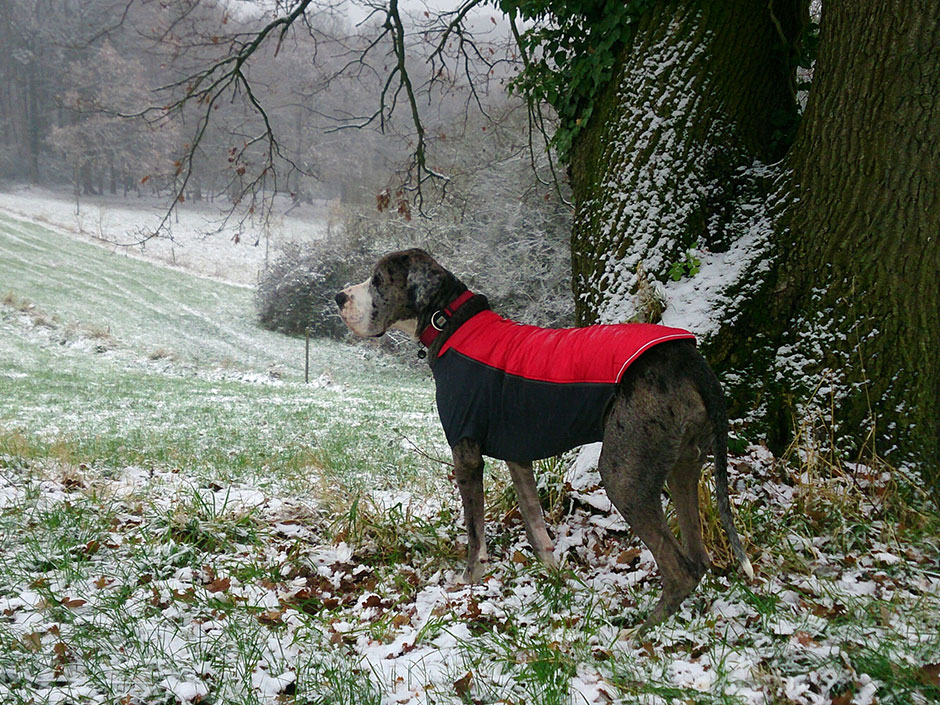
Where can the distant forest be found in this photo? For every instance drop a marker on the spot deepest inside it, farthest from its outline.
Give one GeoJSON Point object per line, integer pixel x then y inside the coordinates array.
{"type": "Point", "coordinates": [93, 96]}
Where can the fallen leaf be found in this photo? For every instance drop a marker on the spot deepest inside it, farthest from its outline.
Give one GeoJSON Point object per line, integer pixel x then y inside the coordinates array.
{"type": "Point", "coordinates": [805, 639]}
{"type": "Point", "coordinates": [373, 601]}
{"type": "Point", "coordinates": [219, 585]}
{"type": "Point", "coordinates": [462, 685]}
{"type": "Point", "coordinates": [628, 556]}
{"type": "Point", "coordinates": [61, 652]}
{"type": "Point", "coordinates": [271, 616]}
{"type": "Point", "coordinates": [843, 699]}
{"type": "Point", "coordinates": [520, 558]}
{"type": "Point", "coordinates": [929, 674]}
{"type": "Point", "coordinates": [473, 609]}
{"type": "Point", "coordinates": [72, 603]}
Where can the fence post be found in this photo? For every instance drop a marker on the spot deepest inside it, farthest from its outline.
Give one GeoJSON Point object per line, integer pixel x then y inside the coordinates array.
{"type": "Point", "coordinates": [307, 355]}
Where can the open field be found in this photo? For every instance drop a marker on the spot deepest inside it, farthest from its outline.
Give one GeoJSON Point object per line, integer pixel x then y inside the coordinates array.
{"type": "Point", "coordinates": [182, 519]}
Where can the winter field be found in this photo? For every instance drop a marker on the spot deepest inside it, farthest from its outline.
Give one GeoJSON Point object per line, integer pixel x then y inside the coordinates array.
{"type": "Point", "coordinates": [184, 520]}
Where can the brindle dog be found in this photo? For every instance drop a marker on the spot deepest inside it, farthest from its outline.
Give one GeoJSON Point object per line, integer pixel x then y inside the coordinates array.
{"type": "Point", "coordinates": [668, 412]}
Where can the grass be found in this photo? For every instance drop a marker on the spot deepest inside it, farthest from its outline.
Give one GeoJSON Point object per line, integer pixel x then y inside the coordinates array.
{"type": "Point", "coordinates": [178, 525]}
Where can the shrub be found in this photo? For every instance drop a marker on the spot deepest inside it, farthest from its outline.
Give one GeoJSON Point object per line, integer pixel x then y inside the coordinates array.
{"type": "Point", "coordinates": [501, 232]}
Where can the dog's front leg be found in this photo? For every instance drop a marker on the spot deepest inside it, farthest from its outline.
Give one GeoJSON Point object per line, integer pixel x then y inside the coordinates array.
{"type": "Point", "coordinates": [468, 469]}
{"type": "Point", "coordinates": [531, 510]}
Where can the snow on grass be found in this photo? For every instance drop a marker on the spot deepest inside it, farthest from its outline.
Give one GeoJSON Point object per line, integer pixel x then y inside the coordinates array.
{"type": "Point", "coordinates": [200, 242]}
{"type": "Point", "coordinates": [186, 529]}
{"type": "Point", "coordinates": [146, 587]}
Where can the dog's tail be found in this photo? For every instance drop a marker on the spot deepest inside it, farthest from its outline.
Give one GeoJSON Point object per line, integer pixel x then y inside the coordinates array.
{"type": "Point", "coordinates": [719, 419]}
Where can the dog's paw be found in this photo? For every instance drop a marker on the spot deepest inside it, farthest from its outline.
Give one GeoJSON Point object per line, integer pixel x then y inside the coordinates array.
{"type": "Point", "coordinates": [474, 573]}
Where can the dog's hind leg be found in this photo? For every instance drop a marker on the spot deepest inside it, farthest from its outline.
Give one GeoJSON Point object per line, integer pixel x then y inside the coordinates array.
{"type": "Point", "coordinates": [640, 449]}
{"type": "Point", "coordinates": [683, 487]}
{"type": "Point", "coordinates": [531, 510]}
{"type": "Point", "coordinates": [468, 469]}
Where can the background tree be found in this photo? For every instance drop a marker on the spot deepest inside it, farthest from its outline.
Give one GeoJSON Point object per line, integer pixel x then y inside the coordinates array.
{"type": "Point", "coordinates": [682, 127]}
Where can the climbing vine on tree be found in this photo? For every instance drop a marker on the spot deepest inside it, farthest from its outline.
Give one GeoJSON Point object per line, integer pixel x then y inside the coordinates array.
{"type": "Point", "coordinates": [569, 54]}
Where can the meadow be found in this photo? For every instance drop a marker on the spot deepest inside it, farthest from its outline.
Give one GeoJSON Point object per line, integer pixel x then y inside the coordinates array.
{"type": "Point", "coordinates": [184, 520]}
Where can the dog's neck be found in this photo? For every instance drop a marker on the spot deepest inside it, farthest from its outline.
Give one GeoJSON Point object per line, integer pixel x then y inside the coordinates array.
{"type": "Point", "coordinates": [456, 311]}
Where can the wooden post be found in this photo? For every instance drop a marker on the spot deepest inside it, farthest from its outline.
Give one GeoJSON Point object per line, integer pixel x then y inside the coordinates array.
{"type": "Point", "coordinates": [307, 355]}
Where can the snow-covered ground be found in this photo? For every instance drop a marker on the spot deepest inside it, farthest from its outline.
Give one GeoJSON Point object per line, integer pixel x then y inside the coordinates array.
{"type": "Point", "coordinates": [200, 241]}
{"type": "Point", "coordinates": [195, 525]}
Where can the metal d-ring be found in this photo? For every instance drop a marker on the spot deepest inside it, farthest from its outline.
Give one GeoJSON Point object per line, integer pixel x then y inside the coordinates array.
{"type": "Point", "coordinates": [438, 316]}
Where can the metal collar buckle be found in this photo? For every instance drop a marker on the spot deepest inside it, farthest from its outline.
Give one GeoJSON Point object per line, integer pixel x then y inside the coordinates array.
{"type": "Point", "coordinates": [438, 320]}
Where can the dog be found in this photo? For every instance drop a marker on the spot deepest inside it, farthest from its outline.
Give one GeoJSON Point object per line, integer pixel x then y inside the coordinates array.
{"type": "Point", "coordinates": [521, 393]}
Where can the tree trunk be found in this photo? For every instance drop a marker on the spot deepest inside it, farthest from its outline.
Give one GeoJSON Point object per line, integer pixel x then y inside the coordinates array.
{"type": "Point", "coordinates": [655, 171]}
{"type": "Point", "coordinates": [835, 322]}
{"type": "Point", "coordinates": [859, 261]}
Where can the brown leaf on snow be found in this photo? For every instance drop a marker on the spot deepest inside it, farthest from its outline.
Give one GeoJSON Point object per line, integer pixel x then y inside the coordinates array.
{"type": "Point", "coordinates": [103, 582]}
{"type": "Point", "coordinates": [219, 585]}
{"type": "Point", "coordinates": [374, 601]}
{"type": "Point", "coordinates": [628, 556]}
{"type": "Point", "coordinates": [805, 639]}
{"type": "Point", "coordinates": [72, 603]}
{"type": "Point", "coordinates": [836, 610]}
{"type": "Point", "coordinates": [929, 674]}
{"type": "Point", "coordinates": [462, 685]}
{"type": "Point", "coordinates": [400, 620]}
{"type": "Point", "coordinates": [520, 558]}
{"type": "Point", "coordinates": [270, 617]}
{"type": "Point", "coordinates": [473, 609]}
{"type": "Point", "coordinates": [844, 699]}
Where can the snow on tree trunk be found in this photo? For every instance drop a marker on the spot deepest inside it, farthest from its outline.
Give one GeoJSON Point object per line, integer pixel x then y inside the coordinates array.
{"type": "Point", "coordinates": [658, 169]}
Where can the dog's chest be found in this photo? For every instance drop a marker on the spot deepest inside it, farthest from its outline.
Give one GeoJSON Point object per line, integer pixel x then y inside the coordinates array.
{"type": "Point", "coordinates": [525, 392]}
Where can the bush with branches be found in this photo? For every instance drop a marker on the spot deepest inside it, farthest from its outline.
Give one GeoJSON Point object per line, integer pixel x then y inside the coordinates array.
{"type": "Point", "coordinates": [500, 234]}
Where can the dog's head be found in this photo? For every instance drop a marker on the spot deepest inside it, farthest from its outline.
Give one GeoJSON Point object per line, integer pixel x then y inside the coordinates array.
{"type": "Point", "coordinates": [403, 291]}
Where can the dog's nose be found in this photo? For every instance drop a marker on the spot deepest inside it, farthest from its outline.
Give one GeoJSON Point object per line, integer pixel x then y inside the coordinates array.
{"type": "Point", "coordinates": [341, 299]}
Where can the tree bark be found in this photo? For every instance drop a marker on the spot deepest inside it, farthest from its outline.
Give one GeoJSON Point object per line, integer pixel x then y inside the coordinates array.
{"type": "Point", "coordinates": [693, 102]}
{"type": "Point", "coordinates": [860, 257]}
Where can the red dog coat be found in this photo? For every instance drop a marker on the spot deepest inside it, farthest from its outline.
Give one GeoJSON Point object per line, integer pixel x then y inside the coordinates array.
{"type": "Point", "coordinates": [524, 392]}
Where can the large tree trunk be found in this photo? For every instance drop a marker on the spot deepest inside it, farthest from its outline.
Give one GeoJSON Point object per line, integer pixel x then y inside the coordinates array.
{"type": "Point", "coordinates": [835, 321]}
{"type": "Point", "coordinates": [859, 261]}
